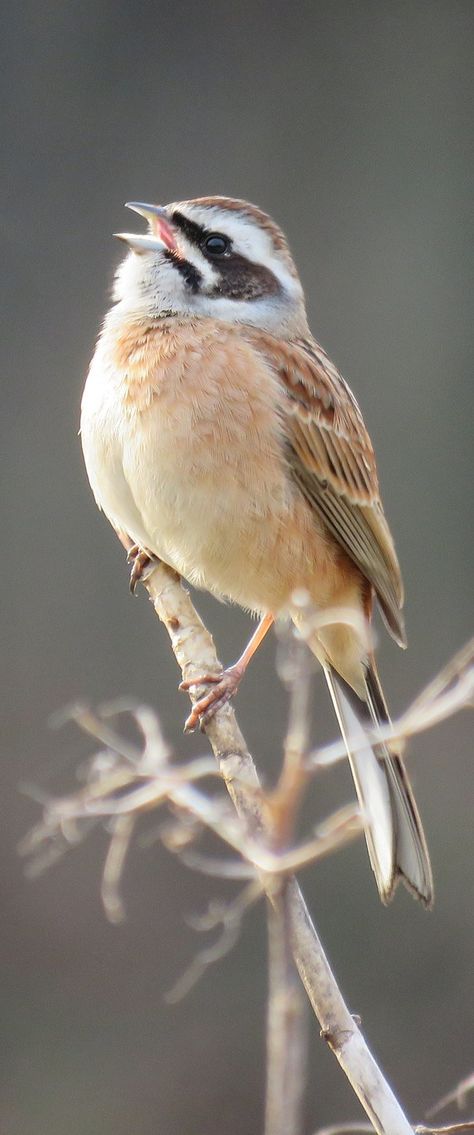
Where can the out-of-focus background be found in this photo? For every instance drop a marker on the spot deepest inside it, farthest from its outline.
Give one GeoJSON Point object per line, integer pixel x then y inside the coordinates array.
{"type": "Point", "coordinates": [349, 122]}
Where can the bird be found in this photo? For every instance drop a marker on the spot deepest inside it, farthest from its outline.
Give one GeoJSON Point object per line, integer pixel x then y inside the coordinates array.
{"type": "Point", "coordinates": [219, 436]}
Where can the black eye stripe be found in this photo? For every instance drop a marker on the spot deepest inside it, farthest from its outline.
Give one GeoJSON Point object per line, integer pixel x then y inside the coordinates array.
{"type": "Point", "coordinates": [194, 232]}
{"type": "Point", "coordinates": [200, 236]}
{"type": "Point", "coordinates": [239, 278]}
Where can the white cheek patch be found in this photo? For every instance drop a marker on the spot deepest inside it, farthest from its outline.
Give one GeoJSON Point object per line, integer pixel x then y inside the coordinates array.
{"type": "Point", "coordinates": [145, 271]}
{"type": "Point", "coordinates": [195, 257]}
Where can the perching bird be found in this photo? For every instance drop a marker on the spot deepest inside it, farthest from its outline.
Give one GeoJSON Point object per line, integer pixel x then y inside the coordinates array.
{"type": "Point", "coordinates": [219, 436]}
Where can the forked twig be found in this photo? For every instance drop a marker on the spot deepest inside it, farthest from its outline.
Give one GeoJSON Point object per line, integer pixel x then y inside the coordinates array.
{"type": "Point", "coordinates": [125, 779]}
{"type": "Point", "coordinates": [230, 918]}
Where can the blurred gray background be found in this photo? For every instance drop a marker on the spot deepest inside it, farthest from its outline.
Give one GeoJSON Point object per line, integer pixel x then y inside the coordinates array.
{"type": "Point", "coordinates": [349, 122]}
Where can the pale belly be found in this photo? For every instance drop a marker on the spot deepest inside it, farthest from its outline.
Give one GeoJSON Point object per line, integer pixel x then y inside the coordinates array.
{"type": "Point", "coordinates": [210, 516]}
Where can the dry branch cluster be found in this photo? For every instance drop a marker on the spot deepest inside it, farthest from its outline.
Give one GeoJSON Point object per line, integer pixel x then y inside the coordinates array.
{"type": "Point", "coordinates": [124, 779]}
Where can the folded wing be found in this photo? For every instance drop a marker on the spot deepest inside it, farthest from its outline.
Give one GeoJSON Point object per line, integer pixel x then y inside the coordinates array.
{"type": "Point", "coordinates": [333, 464]}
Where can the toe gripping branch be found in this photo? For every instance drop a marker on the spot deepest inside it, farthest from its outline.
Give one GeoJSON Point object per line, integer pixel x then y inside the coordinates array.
{"type": "Point", "coordinates": [225, 685]}
{"type": "Point", "coordinates": [141, 565]}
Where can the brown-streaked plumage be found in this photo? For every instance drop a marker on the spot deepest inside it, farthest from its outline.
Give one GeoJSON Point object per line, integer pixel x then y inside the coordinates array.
{"type": "Point", "coordinates": [218, 434]}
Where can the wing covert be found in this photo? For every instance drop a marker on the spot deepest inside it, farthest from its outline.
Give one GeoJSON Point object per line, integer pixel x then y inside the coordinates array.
{"type": "Point", "coordinates": [333, 463]}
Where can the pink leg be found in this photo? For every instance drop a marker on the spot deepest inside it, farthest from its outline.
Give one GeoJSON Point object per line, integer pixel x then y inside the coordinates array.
{"type": "Point", "coordinates": [224, 685]}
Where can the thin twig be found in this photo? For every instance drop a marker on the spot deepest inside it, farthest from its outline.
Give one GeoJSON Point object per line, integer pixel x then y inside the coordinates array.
{"type": "Point", "coordinates": [295, 668]}
{"type": "Point", "coordinates": [451, 691]}
{"type": "Point", "coordinates": [346, 1129]}
{"type": "Point", "coordinates": [451, 1129]}
{"type": "Point", "coordinates": [458, 1095]}
{"type": "Point", "coordinates": [364, 1128]}
{"type": "Point", "coordinates": [286, 1026]}
{"type": "Point", "coordinates": [230, 918]}
{"type": "Point", "coordinates": [121, 782]}
{"type": "Point", "coordinates": [122, 830]}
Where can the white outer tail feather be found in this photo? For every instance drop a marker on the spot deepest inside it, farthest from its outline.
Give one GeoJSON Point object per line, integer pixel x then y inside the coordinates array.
{"type": "Point", "coordinates": [393, 830]}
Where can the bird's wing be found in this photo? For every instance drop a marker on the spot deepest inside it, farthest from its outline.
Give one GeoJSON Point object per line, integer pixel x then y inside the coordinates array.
{"type": "Point", "coordinates": [333, 463]}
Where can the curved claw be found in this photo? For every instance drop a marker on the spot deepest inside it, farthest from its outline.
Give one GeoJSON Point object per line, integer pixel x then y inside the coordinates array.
{"type": "Point", "coordinates": [141, 563]}
{"type": "Point", "coordinates": [224, 686]}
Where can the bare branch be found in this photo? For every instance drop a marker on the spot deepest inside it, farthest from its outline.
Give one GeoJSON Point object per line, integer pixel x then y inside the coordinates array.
{"type": "Point", "coordinates": [124, 780]}
{"type": "Point", "coordinates": [230, 916]}
{"type": "Point", "coordinates": [195, 653]}
{"type": "Point", "coordinates": [346, 1129]}
{"type": "Point", "coordinates": [122, 829]}
{"type": "Point", "coordinates": [451, 691]}
{"type": "Point", "coordinates": [363, 1128]}
{"type": "Point", "coordinates": [461, 664]}
{"type": "Point", "coordinates": [286, 1027]}
{"type": "Point", "coordinates": [459, 1096]}
{"type": "Point", "coordinates": [451, 1129]}
{"type": "Point", "coordinates": [295, 667]}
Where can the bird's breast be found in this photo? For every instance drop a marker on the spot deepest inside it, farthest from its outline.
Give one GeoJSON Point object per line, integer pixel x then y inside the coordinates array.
{"type": "Point", "coordinates": [184, 445]}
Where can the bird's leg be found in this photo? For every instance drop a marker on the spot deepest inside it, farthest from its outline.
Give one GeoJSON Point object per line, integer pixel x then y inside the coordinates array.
{"type": "Point", "coordinates": [141, 563]}
{"type": "Point", "coordinates": [224, 685]}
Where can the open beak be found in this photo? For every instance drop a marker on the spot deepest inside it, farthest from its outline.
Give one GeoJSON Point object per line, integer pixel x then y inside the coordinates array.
{"type": "Point", "coordinates": [161, 234]}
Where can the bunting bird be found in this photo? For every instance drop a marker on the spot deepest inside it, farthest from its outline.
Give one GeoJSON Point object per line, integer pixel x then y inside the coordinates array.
{"type": "Point", "coordinates": [221, 438]}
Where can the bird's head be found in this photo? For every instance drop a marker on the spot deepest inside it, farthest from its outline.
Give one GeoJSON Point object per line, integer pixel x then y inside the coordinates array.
{"type": "Point", "coordinates": [212, 257]}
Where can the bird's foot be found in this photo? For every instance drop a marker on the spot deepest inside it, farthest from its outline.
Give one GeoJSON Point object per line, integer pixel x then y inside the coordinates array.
{"type": "Point", "coordinates": [223, 688]}
{"type": "Point", "coordinates": [142, 565]}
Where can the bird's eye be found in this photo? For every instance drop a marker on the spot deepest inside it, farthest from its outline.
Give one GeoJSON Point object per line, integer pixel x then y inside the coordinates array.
{"type": "Point", "coordinates": [216, 244]}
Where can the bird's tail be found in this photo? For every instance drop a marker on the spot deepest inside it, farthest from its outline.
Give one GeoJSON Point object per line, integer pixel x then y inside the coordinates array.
{"type": "Point", "coordinates": [393, 830]}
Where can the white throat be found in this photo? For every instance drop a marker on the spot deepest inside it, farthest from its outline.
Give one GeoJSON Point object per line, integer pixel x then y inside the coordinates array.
{"type": "Point", "coordinates": [147, 285]}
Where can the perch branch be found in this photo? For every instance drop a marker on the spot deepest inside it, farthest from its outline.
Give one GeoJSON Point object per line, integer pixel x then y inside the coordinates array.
{"type": "Point", "coordinates": [195, 653]}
